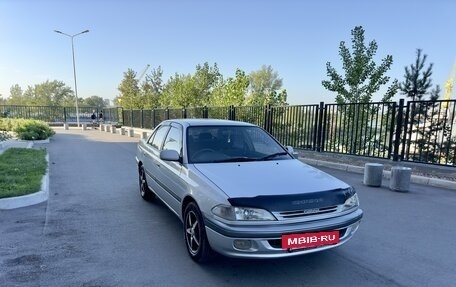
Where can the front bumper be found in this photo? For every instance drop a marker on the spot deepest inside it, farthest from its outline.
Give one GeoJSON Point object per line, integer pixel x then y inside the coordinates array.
{"type": "Point", "coordinates": [265, 240]}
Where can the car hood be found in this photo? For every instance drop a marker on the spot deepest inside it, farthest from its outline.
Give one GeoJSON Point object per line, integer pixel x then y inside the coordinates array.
{"type": "Point", "coordinates": [268, 178]}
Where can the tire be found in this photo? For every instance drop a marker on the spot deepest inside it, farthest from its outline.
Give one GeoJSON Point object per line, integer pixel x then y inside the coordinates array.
{"type": "Point", "coordinates": [195, 235]}
{"type": "Point", "coordinates": [144, 190]}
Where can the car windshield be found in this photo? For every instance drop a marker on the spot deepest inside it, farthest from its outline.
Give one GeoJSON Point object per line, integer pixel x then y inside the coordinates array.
{"type": "Point", "coordinates": [210, 144]}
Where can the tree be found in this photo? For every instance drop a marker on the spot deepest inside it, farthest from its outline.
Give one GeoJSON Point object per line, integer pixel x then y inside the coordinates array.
{"type": "Point", "coordinates": [362, 78]}
{"type": "Point", "coordinates": [265, 88]}
{"type": "Point", "coordinates": [129, 96]}
{"type": "Point", "coordinates": [16, 96]}
{"type": "Point", "coordinates": [152, 88]}
{"type": "Point", "coordinates": [94, 101]}
{"type": "Point", "coordinates": [191, 90]}
{"type": "Point", "coordinates": [206, 78]}
{"type": "Point", "coordinates": [180, 91]}
{"type": "Point", "coordinates": [232, 91]}
{"type": "Point", "coordinates": [425, 123]}
{"type": "Point", "coordinates": [417, 81]}
{"type": "Point", "coordinates": [49, 93]}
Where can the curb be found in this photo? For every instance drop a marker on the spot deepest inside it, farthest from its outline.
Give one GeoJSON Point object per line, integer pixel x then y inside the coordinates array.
{"type": "Point", "coordinates": [435, 182]}
{"type": "Point", "coordinates": [29, 199]}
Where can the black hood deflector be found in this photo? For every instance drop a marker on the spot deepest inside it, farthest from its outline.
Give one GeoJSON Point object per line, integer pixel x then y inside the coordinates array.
{"type": "Point", "coordinates": [291, 202]}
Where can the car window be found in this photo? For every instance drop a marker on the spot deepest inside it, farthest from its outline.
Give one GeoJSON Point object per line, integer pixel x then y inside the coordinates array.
{"type": "Point", "coordinates": [262, 142]}
{"type": "Point", "coordinates": [230, 143]}
{"type": "Point", "coordinates": [159, 135]}
{"type": "Point", "coordinates": [173, 140]}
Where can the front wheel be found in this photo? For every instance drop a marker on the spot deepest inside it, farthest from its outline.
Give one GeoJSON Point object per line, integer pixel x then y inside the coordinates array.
{"type": "Point", "coordinates": [144, 190]}
{"type": "Point", "coordinates": [195, 235]}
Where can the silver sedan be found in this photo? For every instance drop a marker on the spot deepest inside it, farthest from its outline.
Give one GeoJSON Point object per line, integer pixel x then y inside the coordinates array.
{"type": "Point", "coordinates": [240, 193]}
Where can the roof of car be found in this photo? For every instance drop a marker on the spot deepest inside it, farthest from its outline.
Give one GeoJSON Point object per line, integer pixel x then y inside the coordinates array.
{"type": "Point", "coordinates": [208, 122]}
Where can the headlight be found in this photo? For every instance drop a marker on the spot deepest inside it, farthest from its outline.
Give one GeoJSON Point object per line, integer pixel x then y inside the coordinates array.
{"type": "Point", "coordinates": [242, 213]}
{"type": "Point", "coordinates": [351, 202]}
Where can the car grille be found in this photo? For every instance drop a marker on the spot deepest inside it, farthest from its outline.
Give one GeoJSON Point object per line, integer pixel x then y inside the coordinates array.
{"type": "Point", "coordinates": [277, 243]}
{"type": "Point", "coordinates": [284, 215]}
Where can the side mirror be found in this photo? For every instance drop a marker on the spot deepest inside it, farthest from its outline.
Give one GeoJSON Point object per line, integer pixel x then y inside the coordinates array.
{"type": "Point", "coordinates": [292, 152]}
{"type": "Point", "coordinates": [169, 155]}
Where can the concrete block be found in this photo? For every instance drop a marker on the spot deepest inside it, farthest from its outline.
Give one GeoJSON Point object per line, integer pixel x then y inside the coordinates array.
{"type": "Point", "coordinates": [102, 127]}
{"type": "Point", "coordinates": [144, 135]}
{"type": "Point", "coordinates": [373, 174]}
{"type": "Point", "coordinates": [113, 129]}
{"type": "Point", "coordinates": [108, 128]}
{"type": "Point", "coordinates": [122, 131]}
{"type": "Point", "coordinates": [65, 126]}
{"type": "Point", "coordinates": [84, 127]}
{"type": "Point", "coordinates": [131, 133]}
{"type": "Point", "coordinates": [400, 178]}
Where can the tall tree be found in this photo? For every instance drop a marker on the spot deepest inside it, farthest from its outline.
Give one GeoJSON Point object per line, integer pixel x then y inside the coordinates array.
{"type": "Point", "coordinates": [265, 88]}
{"type": "Point", "coordinates": [180, 91]}
{"type": "Point", "coordinates": [152, 88]}
{"type": "Point", "coordinates": [362, 77]}
{"type": "Point", "coordinates": [49, 93]}
{"type": "Point", "coordinates": [232, 91]}
{"type": "Point", "coordinates": [16, 96]}
{"type": "Point", "coordinates": [129, 96]}
{"type": "Point", "coordinates": [94, 101]}
{"type": "Point", "coordinates": [417, 78]}
{"type": "Point", "coordinates": [206, 78]}
{"type": "Point", "coordinates": [191, 90]}
{"type": "Point", "coordinates": [426, 124]}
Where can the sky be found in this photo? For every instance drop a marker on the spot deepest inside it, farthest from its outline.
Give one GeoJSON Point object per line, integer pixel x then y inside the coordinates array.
{"type": "Point", "coordinates": [297, 38]}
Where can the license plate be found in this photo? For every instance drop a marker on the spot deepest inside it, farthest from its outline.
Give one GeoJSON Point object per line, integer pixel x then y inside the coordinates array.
{"type": "Point", "coordinates": [306, 240]}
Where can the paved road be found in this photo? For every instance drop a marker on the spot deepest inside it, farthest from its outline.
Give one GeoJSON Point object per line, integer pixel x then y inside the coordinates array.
{"type": "Point", "coordinates": [95, 230]}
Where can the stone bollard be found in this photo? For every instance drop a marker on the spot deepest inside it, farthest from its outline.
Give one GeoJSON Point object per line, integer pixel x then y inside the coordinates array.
{"type": "Point", "coordinates": [65, 126]}
{"type": "Point", "coordinates": [373, 174]}
{"type": "Point", "coordinates": [122, 131]}
{"type": "Point", "coordinates": [113, 129]}
{"type": "Point", "coordinates": [102, 127]}
{"type": "Point", "coordinates": [108, 128]}
{"type": "Point", "coordinates": [131, 133]}
{"type": "Point", "coordinates": [84, 127]}
{"type": "Point", "coordinates": [400, 178]}
{"type": "Point", "coordinates": [144, 135]}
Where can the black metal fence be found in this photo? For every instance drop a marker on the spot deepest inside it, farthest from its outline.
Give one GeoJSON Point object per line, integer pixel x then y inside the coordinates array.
{"type": "Point", "coordinates": [418, 131]}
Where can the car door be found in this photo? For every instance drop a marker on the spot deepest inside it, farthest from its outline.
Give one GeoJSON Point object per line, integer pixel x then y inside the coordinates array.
{"type": "Point", "coordinates": [152, 159]}
{"type": "Point", "coordinates": [171, 171]}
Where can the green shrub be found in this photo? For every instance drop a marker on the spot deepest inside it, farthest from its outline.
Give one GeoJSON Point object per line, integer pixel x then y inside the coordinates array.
{"type": "Point", "coordinates": [26, 129]}
{"type": "Point", "coordinates": [33, 130]}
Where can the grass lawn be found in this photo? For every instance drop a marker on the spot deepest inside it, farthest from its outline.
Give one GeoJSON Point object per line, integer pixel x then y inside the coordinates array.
{"type": "Point", "coordinates": [21, 171]}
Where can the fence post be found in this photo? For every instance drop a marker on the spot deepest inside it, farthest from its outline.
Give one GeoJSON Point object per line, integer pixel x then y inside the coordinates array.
{"type": "Point", "coordinates": [64, 114]}
{"type": "Point", "coordinates": [153, 118]}
{"type": "Point", "coordinates": [167, 113]}
{"type": "Point", "coordinates": [391, 131]}
{"type": "Point", "coordinates": [268, 118]}
{"type": "Point", "coordinates": [205, 113]}
{"type": "Point", "coordinates": [320, 131]}
{"type": "Point", "coordinates": [184, 113]}
{"type": "Point", "coordinates": [142, 119]}
{"type": "Point", "coordinates": [232, 113]}
{"type": "Point", "coordinates": [131, 118]}
{"type": "Point", "coordinates": [397, 140]}
{"type": "Point", "coordinates": [122, 113]}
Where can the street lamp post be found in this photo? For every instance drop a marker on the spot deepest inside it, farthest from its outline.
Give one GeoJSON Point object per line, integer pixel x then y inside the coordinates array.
{"type": "Point", "coordinates": [74, 68]}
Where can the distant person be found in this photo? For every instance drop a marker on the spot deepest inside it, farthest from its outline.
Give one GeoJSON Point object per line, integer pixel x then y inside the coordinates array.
{"type": "Point", "coordinates": [94, 119]}
{"type": "Point", "coordinates": [100, 117]}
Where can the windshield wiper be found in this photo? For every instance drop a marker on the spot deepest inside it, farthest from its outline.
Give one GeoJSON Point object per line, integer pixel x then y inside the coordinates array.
{"type": "Point", "coordinates": [271, 156]}
{"type": "Point", "coordinates": [235, 159]}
